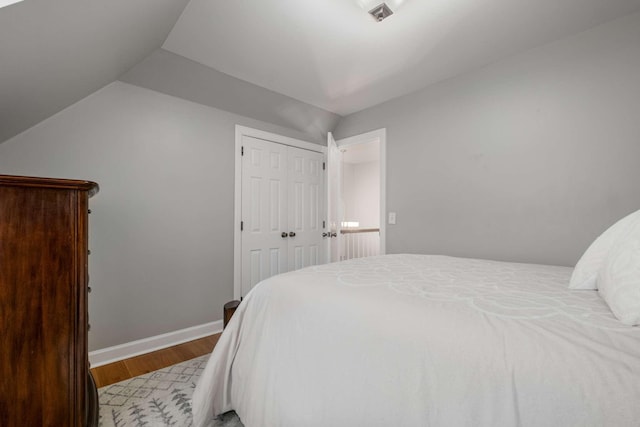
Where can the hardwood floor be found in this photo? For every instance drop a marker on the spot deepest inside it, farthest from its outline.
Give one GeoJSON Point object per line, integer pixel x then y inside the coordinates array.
{"type": "Point", "coordinates": [129, 368]}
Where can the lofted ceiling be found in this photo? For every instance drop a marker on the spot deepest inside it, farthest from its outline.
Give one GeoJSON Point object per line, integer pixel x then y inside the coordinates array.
{"type": "Point", "coordinates": [327, 53]}
{"type": "Point", "coordinates": [56, 52]}
{"type": "Point", "coordinates": [332, 54]}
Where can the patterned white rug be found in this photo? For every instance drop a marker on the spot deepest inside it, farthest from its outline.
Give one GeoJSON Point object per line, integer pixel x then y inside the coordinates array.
{"type": "Point", "coordinates": [157, 399]}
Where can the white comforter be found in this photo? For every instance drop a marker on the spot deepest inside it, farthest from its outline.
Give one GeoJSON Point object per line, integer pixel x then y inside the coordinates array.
{"type": "Point", "coordinates": [415, 340]}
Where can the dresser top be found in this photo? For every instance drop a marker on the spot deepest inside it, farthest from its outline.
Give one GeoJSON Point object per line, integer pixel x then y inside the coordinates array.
{"type": "Point", "coordinates": [30, 181]}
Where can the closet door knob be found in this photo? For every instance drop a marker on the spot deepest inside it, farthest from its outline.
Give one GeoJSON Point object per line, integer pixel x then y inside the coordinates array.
{"type": "Point", "coordinates": [284, 235]}
{"type": "Point", "coordinates": [292, 234]}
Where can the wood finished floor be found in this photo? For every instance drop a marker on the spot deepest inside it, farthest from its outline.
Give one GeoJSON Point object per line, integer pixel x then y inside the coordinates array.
{"type": "Point", "coordinates": [139, 365]}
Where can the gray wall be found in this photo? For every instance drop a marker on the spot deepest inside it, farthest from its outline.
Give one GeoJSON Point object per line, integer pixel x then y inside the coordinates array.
{"type": "Point", "coordinates": [526, 160]}
{"type": "Point", "coordinates": [175, 75]}
{"type": "Point", "coordinates": [161, 231]}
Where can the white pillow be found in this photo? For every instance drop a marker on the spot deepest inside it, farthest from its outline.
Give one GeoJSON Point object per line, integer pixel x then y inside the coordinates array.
{"type": "Point", "coordinates": [619, 278]}
{"type": "Point", "coordinates": [585, 273]}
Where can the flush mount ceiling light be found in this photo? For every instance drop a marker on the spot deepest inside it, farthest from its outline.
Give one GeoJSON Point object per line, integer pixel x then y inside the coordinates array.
{"type": "Point", "coordinates": [381, 12]}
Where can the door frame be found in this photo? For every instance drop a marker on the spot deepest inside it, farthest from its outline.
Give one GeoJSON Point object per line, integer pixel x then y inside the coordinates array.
{"type": "Point", "coordinates": [242, 131]}
{"type": "Point", "coordinates": [381, 136]}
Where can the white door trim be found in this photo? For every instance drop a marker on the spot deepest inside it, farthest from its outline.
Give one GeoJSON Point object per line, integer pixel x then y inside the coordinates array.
{"type": "Point", "coordinates": [381, 136]}
{"type": "Point", "coordinates": [237, 216]}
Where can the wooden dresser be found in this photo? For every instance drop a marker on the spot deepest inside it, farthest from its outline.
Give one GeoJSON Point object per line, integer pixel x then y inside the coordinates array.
{"type": "Point", "coordinates": [44, 368]}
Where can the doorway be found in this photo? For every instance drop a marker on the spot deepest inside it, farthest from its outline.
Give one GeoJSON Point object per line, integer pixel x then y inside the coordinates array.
{"type": "Point", "coordinates": [356, 183]}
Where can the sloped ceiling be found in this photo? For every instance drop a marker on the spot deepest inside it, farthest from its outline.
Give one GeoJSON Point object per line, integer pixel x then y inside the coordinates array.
{"type": "Point", "coordinates": [332, 54]}
{"type": "Point", "coordinates": [327, 53]}
{"type": "Point", "coordinates": [175, 75]}
{"type": "Point", "coordinates": [56, 52]}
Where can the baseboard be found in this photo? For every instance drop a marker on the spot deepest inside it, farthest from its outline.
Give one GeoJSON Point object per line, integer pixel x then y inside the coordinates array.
{"type": "Point", "coordinates": [147, 345]}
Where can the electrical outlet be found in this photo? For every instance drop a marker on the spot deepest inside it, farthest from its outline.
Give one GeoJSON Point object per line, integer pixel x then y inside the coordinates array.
{"type": "Point", "coordinates": [392, 217]}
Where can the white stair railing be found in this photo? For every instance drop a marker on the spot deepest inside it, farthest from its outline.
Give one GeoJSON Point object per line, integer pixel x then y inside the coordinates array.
{"type": "Point", "coordinates": [360, 242]}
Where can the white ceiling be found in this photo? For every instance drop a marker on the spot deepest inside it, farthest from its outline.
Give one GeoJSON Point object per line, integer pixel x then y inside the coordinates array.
{"type": "Point", "coordinates": [328, 53]}
{"type": "Point", "coordinates": [332, 54]}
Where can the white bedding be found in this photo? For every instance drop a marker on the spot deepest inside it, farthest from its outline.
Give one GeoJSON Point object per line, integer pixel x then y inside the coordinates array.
{"type": "Point", "coordinates": [416, 340]}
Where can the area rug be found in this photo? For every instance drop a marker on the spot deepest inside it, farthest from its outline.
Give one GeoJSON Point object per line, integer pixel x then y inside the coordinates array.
{"type": "Point", "coordinates": [157, 399]}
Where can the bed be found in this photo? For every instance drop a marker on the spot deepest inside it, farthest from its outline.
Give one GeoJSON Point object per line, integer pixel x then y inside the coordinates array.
{"type": "Point", "coordinates": [420, 340]}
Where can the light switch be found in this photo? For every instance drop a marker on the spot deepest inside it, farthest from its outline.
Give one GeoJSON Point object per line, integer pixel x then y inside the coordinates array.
{"type": "Point", "coordinates": [392, 217]}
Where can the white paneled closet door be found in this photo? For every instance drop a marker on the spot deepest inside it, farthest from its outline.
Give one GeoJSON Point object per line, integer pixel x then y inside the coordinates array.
{"type": "Point", "coordinates": [264, 211]}
{"type": "Point", "coordinates": [282, 210]}
{"type": "Point", "coordinates": [306, 208]}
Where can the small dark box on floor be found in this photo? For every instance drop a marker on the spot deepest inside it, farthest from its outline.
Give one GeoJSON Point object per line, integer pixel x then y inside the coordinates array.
{"type": "Point", "coordinates": [229, 309]}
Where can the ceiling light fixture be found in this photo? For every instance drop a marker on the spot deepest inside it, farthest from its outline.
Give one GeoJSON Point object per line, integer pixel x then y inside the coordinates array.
{"type": "Point", "coordinates": [381, 12]}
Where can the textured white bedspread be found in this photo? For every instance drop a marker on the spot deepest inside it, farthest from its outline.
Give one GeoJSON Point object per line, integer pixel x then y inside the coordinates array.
{"type": "Point", "coordinates": [416, 340]}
